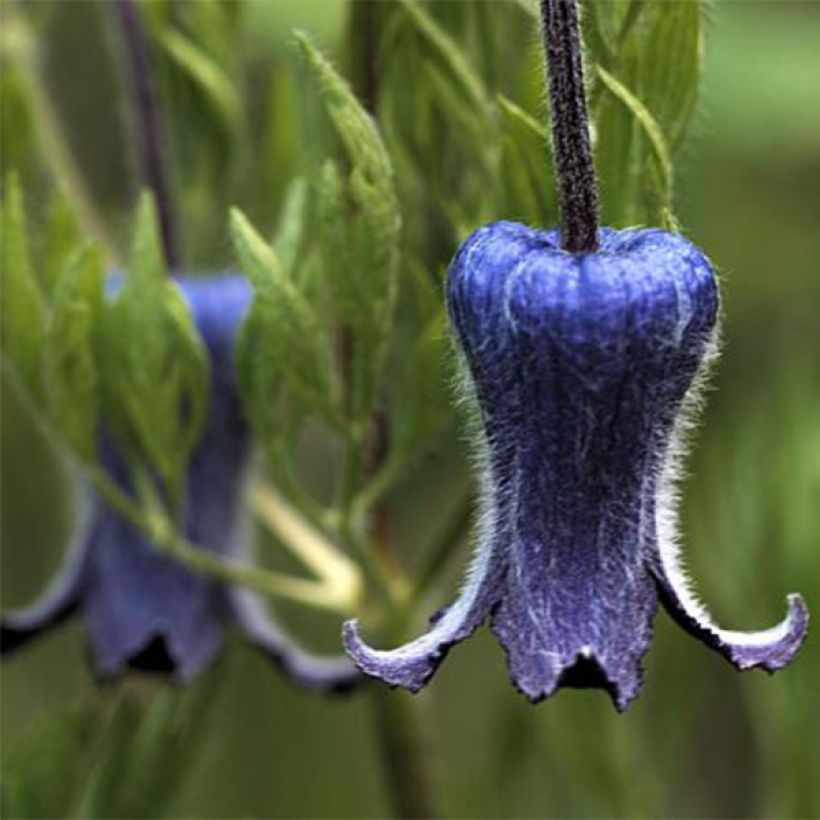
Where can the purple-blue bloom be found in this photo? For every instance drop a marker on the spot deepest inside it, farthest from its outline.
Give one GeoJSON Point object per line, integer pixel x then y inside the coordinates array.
{"type": "Point", "coordinates": [143, 610]}
{"type": "Point", "coordinates": [582, 366]}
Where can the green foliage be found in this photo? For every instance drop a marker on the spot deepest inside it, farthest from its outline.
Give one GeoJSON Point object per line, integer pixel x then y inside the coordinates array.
{"type": "Point", "coordinates": [291, 230]}
{"type": "Point", "coordinates": [125, 761]}
{"type": "Point", "coordinates": [359, 229]}
{"type": "Point", "coordinates": [652, 132]}
{"type": "Point", "coordinates": [459, 137]}
{"type": "Point", "coordinates": [646, 65]}
{"type": "Point", "coordinates": [448, 54]}
{"type": "Point", "coordinates": [62, 238]}
{"type": "Point", "coordinates": [70, 363]}
{"type": "Point", "coordinates": [442, 129]}
{"type": "Point", "coordinates": [155, 368]}
{"type": "Point", "coordinates": [526, 165]}
{"type": "Point", "coordinates": [41, 776]}
{"type": "Point", "coordinates": [281, 343]}
{"type": "Point", "coordinates": [21, 322]}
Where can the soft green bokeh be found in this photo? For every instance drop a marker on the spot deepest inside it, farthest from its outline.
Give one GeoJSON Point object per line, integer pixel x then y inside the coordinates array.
{"type": "Point", "coordinates": [702, 741]}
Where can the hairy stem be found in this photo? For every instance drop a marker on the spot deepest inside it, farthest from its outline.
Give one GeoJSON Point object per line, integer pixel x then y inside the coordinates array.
{"type": "Point", "coordinates": [571, 146]}
{"type": "Point", "coordinates": [150, 136]}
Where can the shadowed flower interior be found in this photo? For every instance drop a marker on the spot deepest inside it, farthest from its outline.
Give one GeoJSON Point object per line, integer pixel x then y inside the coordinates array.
{"type": "Point", "coordinates": [142, 609]}
{"type": "Point", "coordinates": [582, 365]}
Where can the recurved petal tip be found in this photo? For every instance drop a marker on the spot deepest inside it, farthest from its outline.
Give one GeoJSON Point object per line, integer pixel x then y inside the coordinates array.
{"type": "Point", "coordinates": [398, 667]}
{"type": "Point", "coordinates": [769, 649]}
{"type": "Point", "coordinates": [57, 603]}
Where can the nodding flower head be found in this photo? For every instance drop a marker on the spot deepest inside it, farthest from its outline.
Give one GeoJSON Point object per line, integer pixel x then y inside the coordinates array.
{"type": "Point", "coordinates": [581, 365]}
{"type": "Point", "coordinates": [143, 610]}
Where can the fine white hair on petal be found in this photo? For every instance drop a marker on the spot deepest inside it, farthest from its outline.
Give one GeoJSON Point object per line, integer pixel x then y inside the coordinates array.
{"type": "Point", "coordinates": [785, 637]}
{"type": "Point", "coordinates": [672, 474]}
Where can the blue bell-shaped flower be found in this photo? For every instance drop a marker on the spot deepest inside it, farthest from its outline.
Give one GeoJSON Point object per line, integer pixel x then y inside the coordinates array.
{"type": "Point", "coordinates": [582, 366]}
{"type": "Point", "coordinates": [142, 609]}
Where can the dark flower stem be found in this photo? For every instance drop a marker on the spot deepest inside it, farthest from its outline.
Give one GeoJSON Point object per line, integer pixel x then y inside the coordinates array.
{"type": "Point", "coordinates": [365, 24]}
{"type": "Point", "coordinates": [151, 144]}
{"type": "Point", "coordinates": [571, 147]}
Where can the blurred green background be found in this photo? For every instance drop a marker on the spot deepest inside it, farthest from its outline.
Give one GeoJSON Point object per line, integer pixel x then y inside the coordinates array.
{"type": "Point", "coordinates": [702, 741]}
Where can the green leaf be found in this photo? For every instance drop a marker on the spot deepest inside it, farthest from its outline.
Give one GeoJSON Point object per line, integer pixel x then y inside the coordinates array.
{"type": "Point", "coordinates": [23, 312]}
{"type": "Point", "coordinates": [281, 343]}
{"type": "Point", "coordinates": [672, 60]}
{"type": "Point", "coordinates": [290, 230]}
{"type": "Point", "coordinates": [70, 366]}
{"type": "Point", "coordinates": [156, 369]}
{"type": "Point", "coordinates": [62, 240]}
{"type": "Point", "coordinates": [360, 226]}
{"type": "Point", "coordinates": [207, 75]}
{"type": "Point", "coordinates": [448, 52]}
{"type": "Point", "coordinates": [44, 770]}
{"type": "Point", "coordinates": [643, 102]}
{"type": "Point", "coordinates": [461, 111]}
{"type": "Point", "coordinates": [529, 164]}
{"type": "Point", "coordinates": [421, 407]}
{"type": "Point", "coordinates": [642, 115]}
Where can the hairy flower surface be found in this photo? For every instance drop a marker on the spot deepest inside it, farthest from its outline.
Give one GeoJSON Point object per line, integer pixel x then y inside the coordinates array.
{"type": "Point", "coordinates": [142, 609]}
{"type": "Point", "coordinates": [581, 364]}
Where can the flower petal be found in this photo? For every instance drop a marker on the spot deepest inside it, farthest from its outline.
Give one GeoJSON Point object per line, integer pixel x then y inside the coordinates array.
{"type": "Point", "coordinates": [769, 649]}
{"type": "Point", "coordinates": [58, 602]}
{"type": "Point", "coordinates": [579, 362]}
{"type": "Point", "coordinates": [413, 664]}
{"type": "Point", "coordinates": [145, 611]}
{"type": "Point", "coordinates": [323, 674]}
{"type": "Point", "coordinates": [571, 615]}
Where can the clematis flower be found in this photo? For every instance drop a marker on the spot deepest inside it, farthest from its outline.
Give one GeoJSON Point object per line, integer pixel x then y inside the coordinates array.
{"type": "Point", "coordinates": [582, 365]}
{"type": "Point", "coordinates": [145, 611]}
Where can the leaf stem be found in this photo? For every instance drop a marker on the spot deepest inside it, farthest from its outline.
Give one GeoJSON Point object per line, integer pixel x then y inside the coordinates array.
{"type": "Point", "coordinates": [151, 519]}
{"type": "Point", "coordinates": [148, 117]}
{"type": "Point", "coordinates": [305, 542]}
{"type": "Point", "coordinates": [572, 149]}
{"type": "Point", "coordinates": [403, 752]}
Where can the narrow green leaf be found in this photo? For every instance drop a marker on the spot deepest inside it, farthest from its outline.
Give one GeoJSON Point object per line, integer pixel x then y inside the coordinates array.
{"type": "Point", "coordinates": [290, 231]}
{"type": "Point", "coordinates": [62, 240]}
{"type": "Point", "coordinates": [111, 765]}
{"type": "Point", "coordinates": [461, 111]}
{"type": "Point", "coordinates": [206, 74]}
{"type": "Point", "coordinates": [656, 61]}
{"type": "Point", "coordinates": [23, 313]}
{"type": "Point", "coordinates": [353, 124]}
{"type": "Point", "coordinates": [420, 401]}
{"type": "Point", "coordinates": [360, 222]}
{"type": "Point", "coordinates": [521, 196]}
{"type": "Point", "coordinates": [533, 158]}
{"type": "Point", "coordinates": [281, 343]}
{"type": "Point", "coordinates": [448, 52]}
{"type": "Point", "coordinates": [660, 150]}
{"type": "Point", "coordinates": [598, 49]}
{"type": "Point", "coordinates": [70, 367]}
{"type": "Point", "coordinates": [44, 769]}
{"type": "Point", "coordinates": [672, 64]}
